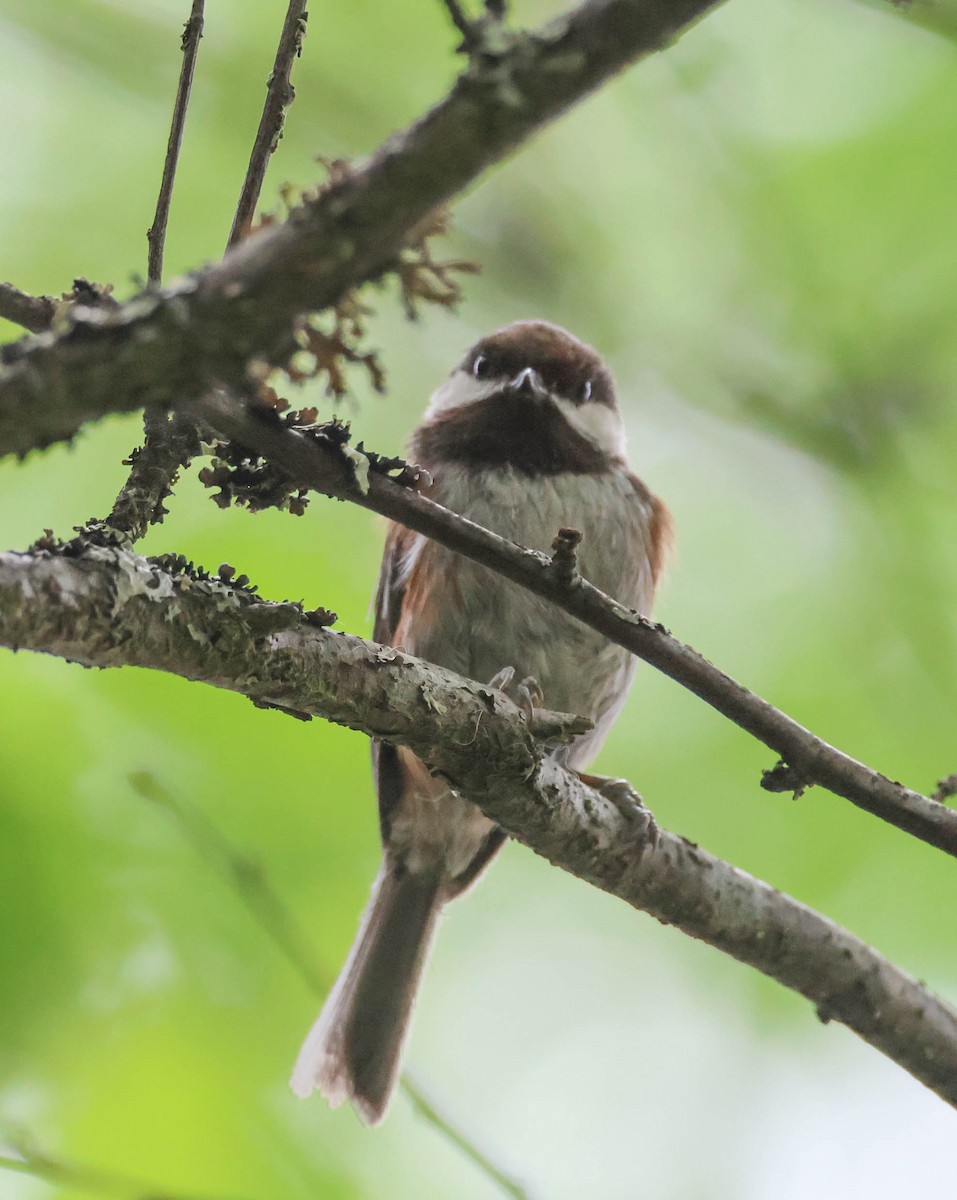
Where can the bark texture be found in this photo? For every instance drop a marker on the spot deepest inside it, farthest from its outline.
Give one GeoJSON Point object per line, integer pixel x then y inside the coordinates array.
{"type": "Point", "coordinates": [107, 607]}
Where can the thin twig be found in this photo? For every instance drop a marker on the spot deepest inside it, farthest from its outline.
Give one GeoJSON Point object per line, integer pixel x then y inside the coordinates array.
{"type": "Point", "coordinates": [244, 875]}
{"type": "Point", "coordinates": [156, 235]}
{"type": "Point", "coordinates": [161, 349]}
{"type": "Point", "coordinates": [279, 95]}
{"type": "Point", "coordinates": [27, 1160]}
{"type": "Point", "coordinates": [426, 1108]}
{"type": "Point", "coordinates": [264, 904]}
{"type": "Point", "coordinates": [170, 441]}
{"type": "Point", "coordinates": [459, 19]}
{"type": "Point", "coordinates": [35, 313]}
{"type": "Point", "coordinates": [813, 761]}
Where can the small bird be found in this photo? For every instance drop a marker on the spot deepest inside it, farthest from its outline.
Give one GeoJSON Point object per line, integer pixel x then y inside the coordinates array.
{"type": "Point", "coordinates": [524, 437]}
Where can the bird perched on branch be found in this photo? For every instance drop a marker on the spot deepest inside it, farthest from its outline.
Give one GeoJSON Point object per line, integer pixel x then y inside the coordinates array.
{"type": "Point", "coordinates": [525, 438]}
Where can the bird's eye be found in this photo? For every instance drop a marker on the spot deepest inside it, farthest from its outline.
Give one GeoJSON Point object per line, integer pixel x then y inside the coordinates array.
{"type": "Point", "coordinates": [480, 368]}
{"type": "Point", "coordinates": [585, 392]}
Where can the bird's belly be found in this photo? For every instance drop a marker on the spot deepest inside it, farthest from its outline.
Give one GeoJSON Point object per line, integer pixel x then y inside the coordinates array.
{"type": "Point", "coordinates": [481, 622]}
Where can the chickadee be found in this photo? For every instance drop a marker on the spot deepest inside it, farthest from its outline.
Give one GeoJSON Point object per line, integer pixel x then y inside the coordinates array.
{"type": "Point", "coordinates": [524, 437]}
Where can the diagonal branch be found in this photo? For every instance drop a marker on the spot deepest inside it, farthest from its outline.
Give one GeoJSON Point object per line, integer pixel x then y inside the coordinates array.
{"type": "Point", "coordinates": [108, 607]}
{"type": "Point", "coordinates": [310, 462]}
{"type": "Point", "coordinates": [156, 234]}
{"type": "Point", "coordinates": [170, 442]}
{"type": "Point", "coordinates": [165, 347]}
{"type": "Point", "coordinates": [279, 95]}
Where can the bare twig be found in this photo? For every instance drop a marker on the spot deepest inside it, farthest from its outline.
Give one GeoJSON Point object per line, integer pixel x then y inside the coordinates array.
{"type": "Point", "coordinates": [170, 441]}
{"type": "Point", "coordinates": [34, 313]}
{"type": "Point", "coordinates": [156, 235]}
{"type": "Point", "coordinates": [279, 95]}
{"type": "Point", "coordinates": [459, 19]}
{"type": "Point", "coordinates": [309, 462]}
{"type": "Point", "coordinates": [26, 1159]}
{"type": "Point", "coordinates": [126, 610]}
{"type": "Point", "coordinates": [162, 349]}
{"type": "Point", "coordinates": [264, 904]}
{"type": "Point", "coordinates": [427, 1109]}
{"type": "Point", "coordinates": [245, 876]}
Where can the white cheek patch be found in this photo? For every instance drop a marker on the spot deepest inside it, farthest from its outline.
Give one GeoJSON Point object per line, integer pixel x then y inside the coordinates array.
{"type": "Point", "coordinates": [597, 422]}
{"type": "Point", "coordinates": [460, 390]}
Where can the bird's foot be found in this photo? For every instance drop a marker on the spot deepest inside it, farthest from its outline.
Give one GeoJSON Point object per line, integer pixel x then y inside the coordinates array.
{"type": "Point", "coordinates": [643, 828]}
{"type": "Point", "coordinates": [549, 726]}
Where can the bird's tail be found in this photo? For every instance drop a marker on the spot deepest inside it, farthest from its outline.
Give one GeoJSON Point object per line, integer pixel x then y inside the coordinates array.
{"type": "Point", "coordinates": [354, 1049]}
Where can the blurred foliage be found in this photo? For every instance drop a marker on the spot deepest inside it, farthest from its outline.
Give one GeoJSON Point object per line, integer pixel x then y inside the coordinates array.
{"type": "Point", "coordinates": [756, 226]}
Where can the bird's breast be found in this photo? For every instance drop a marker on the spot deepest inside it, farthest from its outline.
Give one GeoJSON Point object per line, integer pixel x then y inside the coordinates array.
{"type": "Point", "coordinates": [475, 622]}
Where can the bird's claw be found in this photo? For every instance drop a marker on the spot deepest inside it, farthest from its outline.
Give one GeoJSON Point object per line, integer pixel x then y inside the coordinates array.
{"type": "Point", "coordinates": [526, 694]}
{"type": "Point", "coordinates": [641, 824]}
{"type": "Point", "coordinates": [531, 698]}
{"type": "Point", "coordinates": [550, 727]}
{"type": "Point", "coordinates": [501, 679]}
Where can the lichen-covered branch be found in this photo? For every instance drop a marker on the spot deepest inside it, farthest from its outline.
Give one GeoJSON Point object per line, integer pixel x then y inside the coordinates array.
{"type": "Point", "coordinates": [166, 346]}
{"type": "Point", "coordinates": [316, 462]}
{"type": "Point", "coordinates": [171, 441]}
{"type": "Point", "coordinates": [38, 313]}
{"type": "Point", "coordinates": [106, 607]}
{"type": "Point", "coordinates": [34, 313]}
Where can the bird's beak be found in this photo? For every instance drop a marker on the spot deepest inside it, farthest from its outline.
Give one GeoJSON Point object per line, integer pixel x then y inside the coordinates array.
{"type": "Point", "coordinates": [528, 382]}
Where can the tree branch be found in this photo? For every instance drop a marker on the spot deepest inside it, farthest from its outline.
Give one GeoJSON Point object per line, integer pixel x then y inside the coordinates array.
{"type": "Point", "coordinates": [34, 313]}
{"type": "Point", "coordinates": [169, 442]}
{"type": "Point", "coordinates": [459, 19]}
{"type": "Point", "coordinates": [156, 234]}
{"type": "Point", "coordinates": [38, 313]}
{"type": "Point", "coordinates": [308, 461]}
{"type": "Point", "coordinates": [279, 95]}
{"type": "Point", "coordinates": [161, 348]}
{"type": "Point", "coordinates": [108, 607]}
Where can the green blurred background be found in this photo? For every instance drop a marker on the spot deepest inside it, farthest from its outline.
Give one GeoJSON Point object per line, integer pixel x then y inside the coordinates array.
{"type": "Point", "coordinates": [757, 227]}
